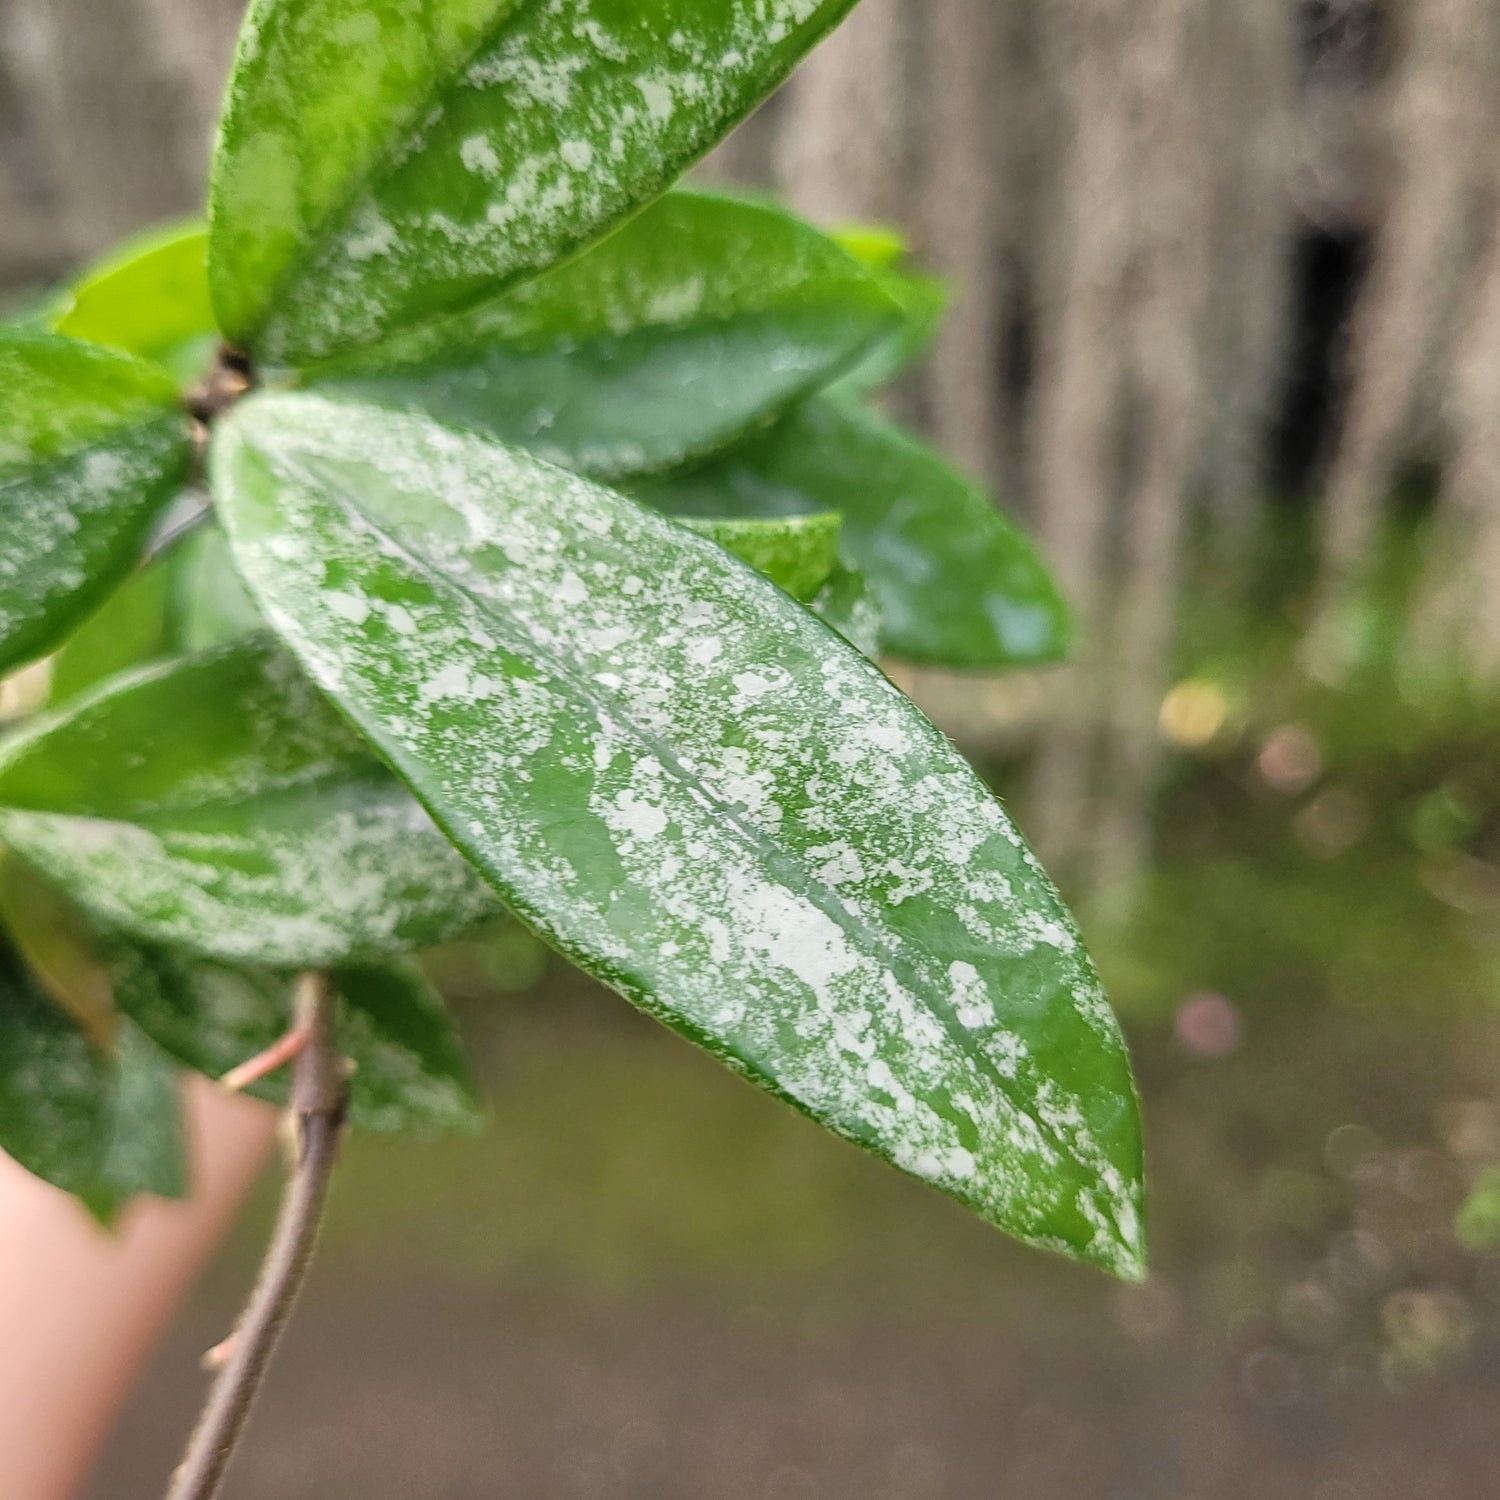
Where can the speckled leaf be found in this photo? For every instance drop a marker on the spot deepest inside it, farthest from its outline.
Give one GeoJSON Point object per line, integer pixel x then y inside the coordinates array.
{"type": "Point", "coordinates": [409, 1062]}
{"type": "Point", "coordinates": [149, 297]}
{"type": "Point", "coordinates": [956, 584]}
{"type": "Point", "coordinates": [409, 1070]}
{"type": "Point", "coordinates": [699, 320]}
{"type": "Point", "coordinates": [53, 1084]}
{"type": "Point", "coordinates": [798, 553]}
{"type": "Point", "coordinates": [701, 794]}
{"type": "Point", "coordinates": [144, 1150]}
{"type": "Point", "coordinates": [220, 804]}
{"type": "Point", "coordinates": [381, 164]}
{"type": "Point", "coordinates": [92, 446]}
{"type": "Point", "coordinates": [101, 1123]}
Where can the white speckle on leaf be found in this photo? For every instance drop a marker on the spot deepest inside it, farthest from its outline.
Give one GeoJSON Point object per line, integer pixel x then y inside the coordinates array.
{"type": "Point", "coordinates": [478, 154]}
{"type": "Point", "coordinates": [766, 838]}
{"type": "Point", "coordinates": [350, 607]}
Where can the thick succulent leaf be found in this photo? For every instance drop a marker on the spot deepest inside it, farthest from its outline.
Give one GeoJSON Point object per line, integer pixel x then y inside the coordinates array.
{"type": "Point", "coordinates": [219, 803]}
{"type": "Point", "coordinates": [699, 320]}
{"type": "Point", "coordinates": [380, 163]}
{"type": "Point", "coordinates": [51, 937]}
{"type": "Point", "coordinates": [705, 797]}
{"type": "Point", "coordinates": [956, 584]}
{"type": "Point", "coordinates": [409, 1070]}
{"type": "Point", "coordinates": [144, 1150]}
{"type": "Point", "coordinates": [150, 297]}
{"type": "Point", "coordinates": [847, 604]}
{"type": "Point", "coordinates": [923, 301]}
{"type": "Point", "coordinates": [185, 601]}
{"type": "Point", "coordinates": [92, 446]}
{"type": "Point", "coordinates": [130, 628]}
{"type": "Point", "coordinates": [53, 1084]}
{"type": "Point", "coordinates": [409, 1062]}
{"type": "Point", "coordinates": [208, 605]}
{"type": "Point", "coordinates": [101, 1123]}
{"type": "Point", "coordinates": [798, 553]}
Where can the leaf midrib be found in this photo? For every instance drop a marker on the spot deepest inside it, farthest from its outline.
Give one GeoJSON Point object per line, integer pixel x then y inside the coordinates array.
{"type": "Point", "coordinates": [591, 694]}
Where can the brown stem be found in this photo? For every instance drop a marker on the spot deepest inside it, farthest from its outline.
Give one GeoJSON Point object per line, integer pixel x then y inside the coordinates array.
{"type": "Point", "coordinates": [229, 379]}
{"type": "Point", "coordinates": [317, 1108]}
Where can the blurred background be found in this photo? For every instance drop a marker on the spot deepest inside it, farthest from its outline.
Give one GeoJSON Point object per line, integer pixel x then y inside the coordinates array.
{"type": "Point", "coordinates": [1226, 334]}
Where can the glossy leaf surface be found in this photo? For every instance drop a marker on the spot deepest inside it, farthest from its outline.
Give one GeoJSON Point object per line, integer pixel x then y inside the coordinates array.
{"type": "Point", "coordinates": [956, 584]}
{"type": "Point", "coordinates": [187, 601]}
{"type": "Point", "coordinates": [207, 604]}
{"type": "Point", "coordinates": [145, 1150]}
{"type": "Point", "coordinates": [130, 628]}
{"type": "Point", "coordinates": [99, 1123]}
{"type": "Point", "coordinates": [703, 796]}
{"type": "Point", "coordinates": [797, 553]}
{"type": "Point", "coordinates": [847, 604]}
{"type": "Point", "coordinates": [409, 1070]}
{"type": "Point", "coordinates": [699, 320]}
{"type": "Point", "coordinates": [52, 938]}
{"type": "Point", "coordinates": [92, 446]}
{"type": "Point", "coordinates": [220, 803]}
{"type": "Point", "coordinates": [53, 1084]}
{"type": "Point", "coordinates": [150, 297]}
{"type": "Point", "coordinates": [923, 300]}
{"type": "Point", "coordinates": [381, 164]}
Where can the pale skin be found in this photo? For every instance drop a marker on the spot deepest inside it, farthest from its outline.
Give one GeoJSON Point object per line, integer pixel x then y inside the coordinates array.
{"type": "Point", "coordinates": [80, 1309]}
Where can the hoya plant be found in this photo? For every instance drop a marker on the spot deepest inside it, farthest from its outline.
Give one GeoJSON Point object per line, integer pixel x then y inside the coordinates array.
{"type": "Point", "coordinates": [468, 519]}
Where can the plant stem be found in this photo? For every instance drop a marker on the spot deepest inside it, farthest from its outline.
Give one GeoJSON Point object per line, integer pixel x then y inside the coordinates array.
{"type": "Point", "coordinates": [316, 1111]}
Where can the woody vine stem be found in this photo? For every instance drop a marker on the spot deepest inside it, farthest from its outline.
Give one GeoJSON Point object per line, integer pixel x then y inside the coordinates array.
{"type": "Point", "coordinates": [319, 1103]}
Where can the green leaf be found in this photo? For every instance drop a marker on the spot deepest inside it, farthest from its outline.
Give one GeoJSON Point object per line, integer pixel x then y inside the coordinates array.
{"type": "Point", "coordinates": [53, 1084]}
{"type": "Point", "coordinates": [129, 628]}
{"type": "Point", "coordinates": [150, 297]}
{"type": "Point", "coordinates": [798, 553]}
{"type": "Point", "coordinates": [381, 164]}
{"type": "Point", "coordinates": [219, 803]}
{"type": "Point", "coordinates": [92, 446]}
{"type": "Point", "coordinates": [1477, 1225]}
{"type": "Point", "coordinates": [692, 787]}
{"type": "Point", "coordinates": [101, 1124]}
{"type": "Point", "coordinates": [699, 320]}
{"type": "Point", "coordinates": [208, 603]}
{"type": "Point", "coordinates": [409, 1070]}
{"type": "Point", "coordinates": [52, 938]}
{"type": "Point", "coordinates": [847, 604]}
{"type": "Point", "coordinates": [186, 601]}
{"type": "Point", "coordinates": [923, 301]}
{"type": "Point", "coordinates": [144, 1147]}
{"type": "Point", "coordinates": [956, 584]}
{"type": "Point", "coordinates": [881, 247]}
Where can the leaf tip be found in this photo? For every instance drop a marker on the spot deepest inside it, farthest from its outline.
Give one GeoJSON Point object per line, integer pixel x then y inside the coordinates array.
{"type": "Point", "coordinates": [1121, 1250]}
